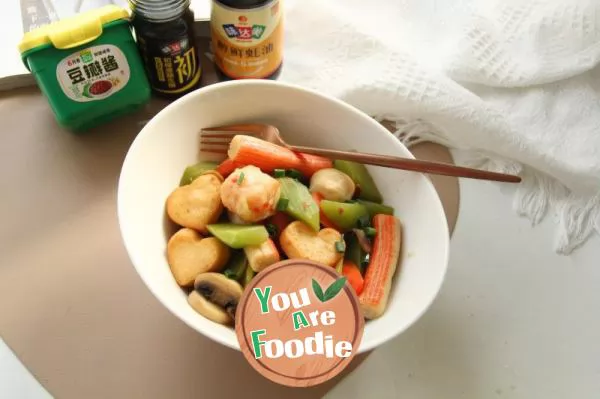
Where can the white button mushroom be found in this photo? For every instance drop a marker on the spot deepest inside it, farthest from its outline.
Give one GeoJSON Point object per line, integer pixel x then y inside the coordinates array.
{"type": "Point", "coordinates": [208, 309]}
{"type": "Point", "coordinates": [250, 194]}
{"type": "Point", "coordinates": [332, 184]}
{"type": "Point", "coordinates": [216, 297]}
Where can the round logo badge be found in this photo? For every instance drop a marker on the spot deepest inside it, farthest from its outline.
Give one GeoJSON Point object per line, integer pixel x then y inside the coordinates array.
{"type": "Point", "coordinates": [299, 323]}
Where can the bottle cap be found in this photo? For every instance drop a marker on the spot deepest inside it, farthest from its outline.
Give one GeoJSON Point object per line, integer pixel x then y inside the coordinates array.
{"type": "Point", "coordinates": [159, 10]}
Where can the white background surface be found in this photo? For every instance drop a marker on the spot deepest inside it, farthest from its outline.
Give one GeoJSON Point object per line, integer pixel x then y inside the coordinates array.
{"type": "Point", "coordinates": [513, 320]}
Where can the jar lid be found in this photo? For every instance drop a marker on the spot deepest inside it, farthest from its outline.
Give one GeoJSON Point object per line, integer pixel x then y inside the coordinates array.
{"type": "Point", "coordinates": [74, 31]}
{"type": "Point", "coordinates": [159, 10]}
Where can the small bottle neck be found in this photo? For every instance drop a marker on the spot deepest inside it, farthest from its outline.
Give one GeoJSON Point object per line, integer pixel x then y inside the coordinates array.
{"type": "Point", "coordinates": [159, 10]}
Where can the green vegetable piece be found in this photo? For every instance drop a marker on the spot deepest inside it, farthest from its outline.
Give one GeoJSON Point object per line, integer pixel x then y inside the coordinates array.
{"type": "Point", "coordinates": [272, 229]}
{"type": "Point", "coordinates": [294, 174]}
{"type": "Point", "coordinates": [362, 178]}
{"type": "Point", "coordinates": [340, 246]}
{"type": "Point", "coordinates": [374, 208]}
{"type": "Point", "coordinates": [363, 222]}
{"type": "Point", "coordinates": [236, 267]}
{"type": "Point", "coordinates": [301, 205]}
{"type": "Point", "coordinates": [240, 179]}
{"type": "Point", "coordinates": [248, 276]}
{"type": "Point", "coordinates": [239, 236]}
{"type": "Point", "coordinates": [370, 232]}
{"type": "Point", "coordinates": [354, 252]}
{"type": "Point", "coordinates": [345, 216]}
{"type": "Point", "coordinates": [193, 171]}
{"type": "Point", "coordinates": [277, 173]}
{"type": "Point", "coordinates": [282, 204]}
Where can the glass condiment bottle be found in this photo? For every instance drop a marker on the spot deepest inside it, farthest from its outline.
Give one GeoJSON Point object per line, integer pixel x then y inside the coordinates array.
{"type": "Point", "coordinates": [247, 38]}
{"type": "Point", "coordinates": [165, 35]}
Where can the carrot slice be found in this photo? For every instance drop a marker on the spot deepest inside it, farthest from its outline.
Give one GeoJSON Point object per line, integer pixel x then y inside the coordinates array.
{"type": "Point", "coordinates": [323, 219]}
{"type": "Point", "coordinates": [355, 279]}
{"type": "Point", "coordinates": [248, 150]}
{"type": "Point", "coordinates": [382, 266]}
{"type": "Point", "coordinates": [227, 167]}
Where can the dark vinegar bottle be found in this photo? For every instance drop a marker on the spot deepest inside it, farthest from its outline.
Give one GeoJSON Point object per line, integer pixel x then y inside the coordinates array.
{"type": "Point", "coordinates": [165, 35]}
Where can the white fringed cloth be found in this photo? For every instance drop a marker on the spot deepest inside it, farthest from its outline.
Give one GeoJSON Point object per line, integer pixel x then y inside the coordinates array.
{"type": "Point", "coordinates": [511, 83]}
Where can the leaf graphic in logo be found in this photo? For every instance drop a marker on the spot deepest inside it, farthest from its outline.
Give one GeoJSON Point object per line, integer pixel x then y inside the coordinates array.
{"type": "Point", "coordinates": [334, 289]}
{"type": "Point", "coordinates": [86, 91]}
{"type": "Point", "coordinates": [317, 290]}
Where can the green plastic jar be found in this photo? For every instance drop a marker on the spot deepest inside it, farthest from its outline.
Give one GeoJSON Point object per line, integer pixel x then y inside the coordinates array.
{"type": "Point", "coordinates": [88, 67]}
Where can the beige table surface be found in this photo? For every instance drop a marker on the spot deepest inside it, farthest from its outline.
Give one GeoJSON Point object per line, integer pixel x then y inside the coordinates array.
{"type": "Point", "coordinates": [71, 305]}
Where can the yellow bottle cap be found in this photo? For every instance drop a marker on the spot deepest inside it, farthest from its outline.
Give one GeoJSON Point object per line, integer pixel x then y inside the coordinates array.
{"type": "Point", "coordinates": [74, 31]}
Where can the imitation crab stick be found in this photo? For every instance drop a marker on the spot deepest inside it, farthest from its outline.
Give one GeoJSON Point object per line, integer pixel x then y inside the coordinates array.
{"type": "Point", "coordinates": [248, 150]}
{"type": "Point", "coordinates": [382, 265]}
{"type": "Point", "coordinates": [226, 167]}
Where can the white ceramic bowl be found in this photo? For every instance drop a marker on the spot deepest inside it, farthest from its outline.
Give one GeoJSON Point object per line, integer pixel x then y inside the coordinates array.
{"type": "Point", "coordinates": [170, 142]}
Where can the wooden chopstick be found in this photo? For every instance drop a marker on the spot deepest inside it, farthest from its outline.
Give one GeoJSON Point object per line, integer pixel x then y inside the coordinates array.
{"type": "Point", "coordinates": [416, 165]}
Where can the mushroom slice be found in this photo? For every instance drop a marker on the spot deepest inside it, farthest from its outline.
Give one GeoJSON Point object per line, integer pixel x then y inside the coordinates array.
{"type": "Point", "coordinates": [208, 309]}
{"type": "Point", "coordinates": [219, 290]}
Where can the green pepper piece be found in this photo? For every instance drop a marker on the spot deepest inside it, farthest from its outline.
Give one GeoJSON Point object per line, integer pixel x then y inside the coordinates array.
{"type": "Point", "coordinates": [354, 252]}
{"type": "Point", "coordinates": [344, 215]}
{"type": "Point", "coordinates": [362, 178]}
{"type": "Point", "coordinates": [239, 236]}
{"type": "Point", "coordinates": [300, 203]}
{"type": "Point", "coordinates": [370, 232]}
{"type": "Point", "coordinates": [294, 174]}
{"type": "Point", "coordinates": [249, 275]}
{"type": "Point", "coordinates": [374, 208]}
{"type": "Point", "coordinates": [193, 171]}
{"type": "Point", "coordinates": [236, 267]}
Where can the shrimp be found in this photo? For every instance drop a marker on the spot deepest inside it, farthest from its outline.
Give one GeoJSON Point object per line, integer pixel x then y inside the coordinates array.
{"type": "Point", "coordinates": [250, 194]}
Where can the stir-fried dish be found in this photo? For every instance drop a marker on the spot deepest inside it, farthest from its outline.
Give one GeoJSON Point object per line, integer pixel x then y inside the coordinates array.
{"type": "Point", "coordinates": [264, 204]}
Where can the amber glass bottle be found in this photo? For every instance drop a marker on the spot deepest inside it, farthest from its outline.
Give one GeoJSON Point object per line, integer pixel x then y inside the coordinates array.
{"type": "Point", "coordinates": [166, 40]}
{"type": "Point", "coordinates": [247, 38]}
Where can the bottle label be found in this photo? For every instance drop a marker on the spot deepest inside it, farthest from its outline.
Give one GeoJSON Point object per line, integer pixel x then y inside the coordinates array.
{"type": "Point", "coordinates": [94, 73]}
{"type": "Point", "coordinates": [173, 66]}
{"type": "Point", "coordinates": [247, 43]}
